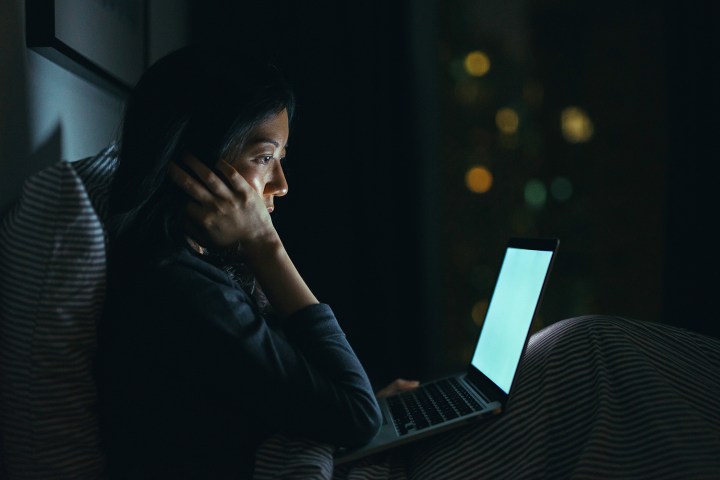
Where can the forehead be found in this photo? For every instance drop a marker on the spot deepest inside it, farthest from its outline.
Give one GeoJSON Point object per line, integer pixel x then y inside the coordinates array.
{"type": "Point", "coordinates": [274, 129]}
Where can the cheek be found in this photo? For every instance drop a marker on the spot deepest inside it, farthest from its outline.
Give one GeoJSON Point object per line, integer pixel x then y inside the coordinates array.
{"type": "Point", "coordinates": [257, 184]}
{"type": "Point", "coordinates": [256, 181]}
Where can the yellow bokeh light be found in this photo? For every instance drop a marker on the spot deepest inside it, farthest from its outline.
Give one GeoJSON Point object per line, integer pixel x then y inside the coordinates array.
{"type": "Point", "coordinates": [507, 120]}
{"type": "Point", "coordinates": [478, 312]}
{"type": "Point", "coordinates": [576, 125]}
{"type": "Point", "coordinates": [477, 63]}
{"type": "Point", "coordinates": [478, 179]}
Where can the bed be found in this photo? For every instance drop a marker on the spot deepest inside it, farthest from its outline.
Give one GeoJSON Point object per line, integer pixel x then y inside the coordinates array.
{"type": "Point", "coordinates": [596, 396]}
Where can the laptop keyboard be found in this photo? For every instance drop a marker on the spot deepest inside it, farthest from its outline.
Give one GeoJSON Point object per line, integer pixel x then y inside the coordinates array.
{"type": "Point", "coordinates": [431, 404]}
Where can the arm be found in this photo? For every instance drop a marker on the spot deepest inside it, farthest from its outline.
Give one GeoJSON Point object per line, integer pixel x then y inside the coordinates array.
{"type": "Point", "coordinates": [230, 214]}
{"type": "Point", "coordinates": [312, 364]}
{"type": "Point", "coordinates": [304, 380]}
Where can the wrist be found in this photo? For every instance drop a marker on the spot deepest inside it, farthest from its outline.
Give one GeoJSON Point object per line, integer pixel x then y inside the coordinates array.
{"type": "Point", "coordinates": [262, 249]}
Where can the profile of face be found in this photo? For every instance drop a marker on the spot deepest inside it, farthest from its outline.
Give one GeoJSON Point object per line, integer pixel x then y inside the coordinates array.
{"type": "Point", "coordinates": [259, 161]}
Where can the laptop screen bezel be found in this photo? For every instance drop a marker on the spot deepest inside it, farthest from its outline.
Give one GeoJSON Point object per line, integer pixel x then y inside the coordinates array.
{"type": "Point", "coordinates": [487, 386]}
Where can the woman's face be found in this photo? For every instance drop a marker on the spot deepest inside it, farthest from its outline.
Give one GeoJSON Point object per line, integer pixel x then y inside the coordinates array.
{"type": "Point", "coordinates": [259, 159]}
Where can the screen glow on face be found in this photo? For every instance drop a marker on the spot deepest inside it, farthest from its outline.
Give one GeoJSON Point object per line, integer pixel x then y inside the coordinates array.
{"type": "Point", "coordinates": [510, 313]}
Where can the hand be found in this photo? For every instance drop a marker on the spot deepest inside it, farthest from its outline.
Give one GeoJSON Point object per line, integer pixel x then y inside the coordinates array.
{"type": "Point", "coordinates": [226, 211]}
{"type": "Point", "coordinates": [230, 213]}
{"type": "Point", "coordinates": [398, 386]}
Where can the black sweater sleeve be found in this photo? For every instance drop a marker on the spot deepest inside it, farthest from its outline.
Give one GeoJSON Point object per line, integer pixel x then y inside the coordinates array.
{"type": "Point", "coordinates": [301, 378]}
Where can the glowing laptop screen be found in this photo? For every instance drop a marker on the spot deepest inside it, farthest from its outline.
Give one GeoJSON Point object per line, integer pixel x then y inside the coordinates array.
{"type": "Point", "coordinates": [510, 313]}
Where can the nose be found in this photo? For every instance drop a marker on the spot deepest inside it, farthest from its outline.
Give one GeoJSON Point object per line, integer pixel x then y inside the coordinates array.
{"type": "Point", "coordinates": [277, 184]}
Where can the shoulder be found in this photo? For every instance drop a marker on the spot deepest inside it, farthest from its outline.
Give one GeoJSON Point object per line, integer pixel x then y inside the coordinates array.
{"type": "Point", "coordinates": [171, 279]}
{"type": "Point", "coordinates": [176, 291]}
{"type": "Point", "coordinates": [193, 282]}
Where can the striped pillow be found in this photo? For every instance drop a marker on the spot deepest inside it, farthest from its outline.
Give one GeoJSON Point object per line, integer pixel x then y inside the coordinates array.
{"type": "Point", "coordinates": [52, 287]}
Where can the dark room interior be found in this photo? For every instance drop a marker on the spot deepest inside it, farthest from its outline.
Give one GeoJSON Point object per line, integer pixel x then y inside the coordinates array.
{"type": "Point", "coordinates": [429, 132]}
{"type": "Point", "coordinates": [389, 123]}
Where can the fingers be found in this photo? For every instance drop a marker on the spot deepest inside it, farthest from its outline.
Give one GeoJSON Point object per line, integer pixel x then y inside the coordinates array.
{"type": "Point", "coordinates": [209, 179]}
{"type": "Point", "coordinates": [398, 386]}
{"type": "Point", "coordinates": [234, 179]}
{"type": "Point", "coordinates": [401, 385]}
{"type": "Point", "coordinates": [225, 188]}
{"type": "Point", "coordinates": [189, 184]}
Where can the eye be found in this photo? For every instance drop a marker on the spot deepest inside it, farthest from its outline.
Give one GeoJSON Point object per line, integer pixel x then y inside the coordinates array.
{"type": "Point", "coordinates": [264, 159]}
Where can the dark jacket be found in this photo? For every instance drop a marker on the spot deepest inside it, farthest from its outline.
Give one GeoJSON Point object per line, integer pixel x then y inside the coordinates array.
{"type": "Point", "coordinates": [193, 377]}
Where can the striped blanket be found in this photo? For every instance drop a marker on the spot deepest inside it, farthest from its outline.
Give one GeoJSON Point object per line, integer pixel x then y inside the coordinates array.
{"type": "Point", "coordinates": [596, 397]}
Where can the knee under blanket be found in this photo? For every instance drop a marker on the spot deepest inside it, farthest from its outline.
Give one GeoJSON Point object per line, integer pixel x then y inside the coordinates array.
{"type": "Point", "coordinates": [596, 397]}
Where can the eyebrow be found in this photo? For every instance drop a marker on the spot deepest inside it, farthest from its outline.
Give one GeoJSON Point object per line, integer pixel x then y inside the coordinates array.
{"type": "Point", "coordinates": [266, 140]}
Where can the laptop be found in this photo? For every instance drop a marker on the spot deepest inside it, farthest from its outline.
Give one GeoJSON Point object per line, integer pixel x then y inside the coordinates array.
{"type": "Point", "coordinates": [484, 388]}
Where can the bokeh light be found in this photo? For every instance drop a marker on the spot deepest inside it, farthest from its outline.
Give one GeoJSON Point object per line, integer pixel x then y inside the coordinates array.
{"type": "Point", "coordinates": [576, 125]}
{"type": "Point", "coordinates": [507, 120]}
{"type": "Point", "coordinates": [561, 189]}
{"type": "Point", "coordinates": [535, 193]}
{"type": "Point", "coordinates": [478, 312]}
{"type": "Point", "coordinates": [478, 179]}
{"type": "Point", "coordinates": [477, 63]}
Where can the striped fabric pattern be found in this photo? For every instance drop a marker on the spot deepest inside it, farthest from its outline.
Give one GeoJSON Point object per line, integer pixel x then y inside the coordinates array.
{"type": "Point", "coordinates": [596, 397]}
{"type": "Point", "coordinates": [52, 287]}
{"type": "Point", "coordinates": [96, 174]}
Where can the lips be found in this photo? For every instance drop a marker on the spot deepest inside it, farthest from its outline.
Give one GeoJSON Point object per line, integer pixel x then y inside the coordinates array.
{"type": "Point", "coordinates": [270, 209]}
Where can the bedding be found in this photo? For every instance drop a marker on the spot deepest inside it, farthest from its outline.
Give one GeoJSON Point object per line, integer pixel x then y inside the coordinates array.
{"type": "Point", "coordinates": [52, 290]}
{"type": "Point", "coordinates": [595, 397]}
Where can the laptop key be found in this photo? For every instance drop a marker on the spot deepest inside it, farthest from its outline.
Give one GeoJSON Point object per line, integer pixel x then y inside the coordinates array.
{"type": "Point", "coordinates": [429, 405]}
{"type": "Point", "coordinates": [465, 395]}
{"type": "Point", "coordinates": [446, 409]}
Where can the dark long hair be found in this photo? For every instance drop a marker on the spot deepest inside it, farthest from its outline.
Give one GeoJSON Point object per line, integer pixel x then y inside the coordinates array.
{"type": "Point", "coordinates": [198, 100]}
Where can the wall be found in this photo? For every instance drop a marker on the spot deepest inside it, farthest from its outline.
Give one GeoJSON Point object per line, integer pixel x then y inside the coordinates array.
{"type": "Point", "coordinates": [46, 113]}
{"type": "Point", "coordinates": [49, 114]}
{"type": "Point", "coordinates": [169, 26]}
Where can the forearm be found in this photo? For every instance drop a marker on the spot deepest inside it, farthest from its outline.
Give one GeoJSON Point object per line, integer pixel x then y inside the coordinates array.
{"type": "Point", "coordinates": [281, 282]}
{"type": "Point", "coordinates": [334, 397]}
{"type": "Point", "coordinates": [335, 402]}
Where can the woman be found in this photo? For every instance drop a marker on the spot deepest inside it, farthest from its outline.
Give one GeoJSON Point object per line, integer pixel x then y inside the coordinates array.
{"type": "Point", "coordinates": [212, 340]}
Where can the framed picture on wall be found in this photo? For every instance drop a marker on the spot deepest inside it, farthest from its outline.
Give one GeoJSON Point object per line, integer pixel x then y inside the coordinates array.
{"type": "Point", "coordinates": [104, 41]}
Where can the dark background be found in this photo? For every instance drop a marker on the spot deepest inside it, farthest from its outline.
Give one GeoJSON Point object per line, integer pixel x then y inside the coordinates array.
{"type": "Point", "coordinates": [378, 218]}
